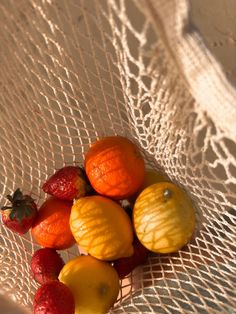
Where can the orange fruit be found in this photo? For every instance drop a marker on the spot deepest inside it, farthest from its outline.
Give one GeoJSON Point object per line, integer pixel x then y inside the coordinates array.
{"type": "Point", "coordinates": [164, 218]}
{"type": "Point", "coordinates": [51, 228]}
{"type": "Point", "coordinates": [102, 228]}
{"type": "Point", "coordinates": [115, 167]}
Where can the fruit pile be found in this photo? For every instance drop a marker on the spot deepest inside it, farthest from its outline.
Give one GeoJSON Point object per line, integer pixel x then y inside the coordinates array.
{"type": "Point", "coordinates": [86, 207]}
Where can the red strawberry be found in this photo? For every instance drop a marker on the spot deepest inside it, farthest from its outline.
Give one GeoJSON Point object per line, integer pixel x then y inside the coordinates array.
{"type": "Point", "coordinates": [54, 298]}
{"type": "Point", "coordinates": [67, 183]}
{"type": "Point", "coordinates": [20, 216]}
{"type": "Point", "coordinates": [125, 265]}
{"type": "Point", "coordinates": [46, 265]}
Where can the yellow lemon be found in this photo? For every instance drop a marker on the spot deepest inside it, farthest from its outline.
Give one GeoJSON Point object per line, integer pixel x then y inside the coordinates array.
{"type": "Point", "coordinates": [94, 284]}
{"type": "Point", "coordinates": [101, 227]}
{"type": "Point", "coordinates": [151, 176]}
{"type": "Point", "coordinates": [164, 217]}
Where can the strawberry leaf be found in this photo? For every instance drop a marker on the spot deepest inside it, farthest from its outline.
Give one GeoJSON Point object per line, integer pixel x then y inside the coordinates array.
{"type": "Point", "coordinates": [6, 207]}
{"type": "Point", "coordinates": [12, 215]}
{"type": "Point", "coordinates": [22, 206]}
{"type": "Point", "coordinates": [18, 196]}
{"type": "Point", "coordinates": [10, 198]}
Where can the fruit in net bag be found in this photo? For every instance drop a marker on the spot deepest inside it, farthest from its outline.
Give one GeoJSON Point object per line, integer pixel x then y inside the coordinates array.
{"type": "Point", "coordinates": [115, 167]}
{"type": "Point", "coordinates": [164, 217]}
{"type": "Point", "coordinates": [46, 265]}
{"type": "Point", "coordinates": [20, 214]}
{"type": "Point", "coordinates": [126, 265]}
{"type": "Point", "coordinates": [54, 297]}
{"type": "Point", "coordinates": [101, 227]}
{"type": "Point", "coordinates": [94, 284]}
{"type": "Point", "coordinates": [67, 183]}
{"type": "Point", "coordinates": [51, 227]}
{"type": "Point", "coordinates": [151, 176]}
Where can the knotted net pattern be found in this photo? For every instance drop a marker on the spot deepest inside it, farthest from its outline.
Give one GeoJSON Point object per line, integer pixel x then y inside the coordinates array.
{"type": "Point", "coordinates": [72, 71]}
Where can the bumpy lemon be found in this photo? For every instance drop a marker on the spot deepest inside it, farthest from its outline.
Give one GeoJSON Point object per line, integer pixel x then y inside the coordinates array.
{"type": "Point", "coordinates": [94, 284]}
{"type": "Point", "coordinates": [151, 176]}
{"type": "Point", "coordinates": [101, 227]}
{"type": "Point", "coordinates": [164, 217]}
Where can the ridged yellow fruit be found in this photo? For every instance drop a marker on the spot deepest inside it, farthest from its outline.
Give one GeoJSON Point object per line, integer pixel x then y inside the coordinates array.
{"type": "Point", "coordinates": [151, 177]}
{"type": "Point", "coordinates": [164, 217]}
{"type": "Point", "coordinates": [102, 228]}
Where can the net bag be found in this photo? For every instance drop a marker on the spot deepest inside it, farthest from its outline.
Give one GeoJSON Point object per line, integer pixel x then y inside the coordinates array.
{"type": "Point", "coordinates": [161, 73]}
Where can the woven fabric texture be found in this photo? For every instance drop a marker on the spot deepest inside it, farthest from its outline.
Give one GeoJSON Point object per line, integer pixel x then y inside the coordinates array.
{"type": "Point", "coordinates": [154, 71]}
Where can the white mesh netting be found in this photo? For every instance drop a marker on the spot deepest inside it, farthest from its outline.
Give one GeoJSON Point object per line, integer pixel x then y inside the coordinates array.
{"type": "Point", "coordinates": [74, 70]}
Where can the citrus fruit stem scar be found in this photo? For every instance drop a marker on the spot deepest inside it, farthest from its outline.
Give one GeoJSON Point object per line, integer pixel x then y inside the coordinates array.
{"type": "Point", "coordinates": [167, 193]}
